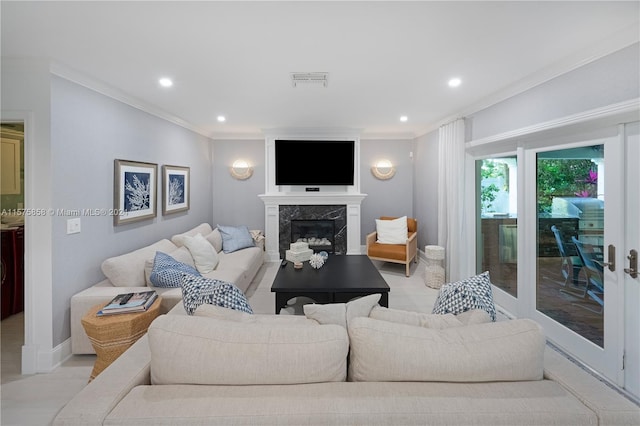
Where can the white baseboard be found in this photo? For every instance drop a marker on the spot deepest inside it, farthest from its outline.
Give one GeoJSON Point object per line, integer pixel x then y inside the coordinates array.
{"type": "Point", "coordinates": [35, 360]}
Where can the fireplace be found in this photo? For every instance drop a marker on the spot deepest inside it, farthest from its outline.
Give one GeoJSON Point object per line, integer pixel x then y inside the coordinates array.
{"type": "Point", "coordinates": [318, 233]}
{"type": "Point", "coordinates": [282, 208]}
{"type": "Point", "coordinates": [318, 223]}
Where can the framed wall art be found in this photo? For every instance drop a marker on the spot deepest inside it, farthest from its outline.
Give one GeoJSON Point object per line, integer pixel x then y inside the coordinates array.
{"type": "Point", "coordinates": [175, 189]}
{"type": "Point", "coordinates": [135, 188]}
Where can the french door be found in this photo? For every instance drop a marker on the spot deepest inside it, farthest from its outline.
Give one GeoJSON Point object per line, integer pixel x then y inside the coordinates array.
{"type": "Point", "coordinates": [557, 222]}
{"type": "Point", "coordinates": [575, 201]}
{"type": "Point", "coordinates": [630, 266]}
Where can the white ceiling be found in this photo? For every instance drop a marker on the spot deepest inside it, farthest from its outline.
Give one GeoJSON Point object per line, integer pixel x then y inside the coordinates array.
{"type": "Point", "coordinates": [384, 59]}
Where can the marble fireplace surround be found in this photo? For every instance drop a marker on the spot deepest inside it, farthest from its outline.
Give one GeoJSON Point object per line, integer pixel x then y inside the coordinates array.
{"type": "Point", "coordinates": [344, 207]}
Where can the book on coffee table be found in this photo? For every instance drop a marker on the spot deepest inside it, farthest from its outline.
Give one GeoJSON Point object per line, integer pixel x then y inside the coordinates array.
{"type": "Point", "coordinates": [129, 302]}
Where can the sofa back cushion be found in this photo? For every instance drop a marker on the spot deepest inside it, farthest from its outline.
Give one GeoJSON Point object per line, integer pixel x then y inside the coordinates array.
{"type": "Point", "coordinates": [219, 312]}
{"type": "Point", "coordinates": [203, 229]}
{"type": "Point", "coordinates": [127, 270]}
{"type": "Point", "coordinates": [418, 319]}
{"type": "Point", "coordinates": [502, 351]}
{"type": "Point", "coordinates": [209, 351]}
{"type": "Point", "coordinates": [421, 319]}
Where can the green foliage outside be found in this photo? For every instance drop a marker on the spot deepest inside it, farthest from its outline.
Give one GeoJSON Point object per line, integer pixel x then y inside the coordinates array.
{"type": "Point", "coordinates": [564, 178]}
{"type": "Point", "coordinates": [488, 193]}
{"type": "Point", "coordinates": [556, 178]}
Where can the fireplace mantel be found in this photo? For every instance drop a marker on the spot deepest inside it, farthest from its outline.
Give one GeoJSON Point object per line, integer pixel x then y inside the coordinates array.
{"type": "Point", "coordinates": [272, 202]}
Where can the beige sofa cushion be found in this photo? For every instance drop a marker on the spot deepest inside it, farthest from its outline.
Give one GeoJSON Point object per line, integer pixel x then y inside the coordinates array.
{"type": "Point", "coordinates": [341, 313]}
{"type": "Point", "coordinates": [203, 229]}
{"type": "Point", "coordinates": [213, 311]}
{"type": "Point", "coordinates": [438, 321]}
{"type": "Point", "coordinates": [215, 238]}
{"type": "Point", "coordinates": [198, 350]}
{"type": "Point", "coordinates": [417, 319]}
{"type": "Point", "coordinates": [540, 402]}
{"type": "Point", "coordinates": [501, 351]}
{"type": "Point", "coordinates": [127, 270]}
{"type": "Point", "coordinates": [474, 316]}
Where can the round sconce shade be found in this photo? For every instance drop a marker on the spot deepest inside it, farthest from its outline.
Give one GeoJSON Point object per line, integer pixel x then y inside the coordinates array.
{"type": "Point", "coordinates": [241, 170]}
{"type": "Point", "coordinates": [383, 170]}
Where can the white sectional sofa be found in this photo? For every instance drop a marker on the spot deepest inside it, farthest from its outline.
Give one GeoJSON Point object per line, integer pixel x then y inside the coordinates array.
{"type": "Point", "coordinates": [130, 273]}
{"type": "Point", "coordinates": [379, 367]}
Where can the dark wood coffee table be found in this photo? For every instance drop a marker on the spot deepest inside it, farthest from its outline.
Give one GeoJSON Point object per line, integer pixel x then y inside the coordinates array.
{"type": "Point", "coordinates": [340, 279]}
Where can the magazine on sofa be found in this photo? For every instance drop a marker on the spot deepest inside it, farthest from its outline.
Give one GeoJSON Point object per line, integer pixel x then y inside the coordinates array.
{"type": "Point", "coordinates": [129, 302]}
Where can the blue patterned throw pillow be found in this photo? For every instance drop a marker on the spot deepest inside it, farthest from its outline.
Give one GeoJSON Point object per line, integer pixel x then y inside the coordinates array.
{"type": "Point", "coordinates": [198, 290]}
{"type": "Point", "coordinates": [471, 293]}
{"type": "Point", "coordinates": [235, 238]}
{"type": "Point", "coordinates": [167, 272]}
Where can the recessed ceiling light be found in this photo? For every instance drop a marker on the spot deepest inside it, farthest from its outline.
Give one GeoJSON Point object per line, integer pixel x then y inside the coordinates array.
{"type": "Point", "coordinates": [165, 82]}
{"type": "Point", "coordinates": [455, 82]}
{"type": "Point", "coordinates": [404, 118]}
{"type": "Point", "coordinates": [222, 118]}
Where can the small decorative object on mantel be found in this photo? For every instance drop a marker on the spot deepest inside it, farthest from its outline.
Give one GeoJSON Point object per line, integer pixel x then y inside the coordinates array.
{"type": "Point", "coordinates": [324, 255]}
{"type": "Point", "coordinates": [316, 261]}
{"type": "Point", "coordinates": [434, 274]}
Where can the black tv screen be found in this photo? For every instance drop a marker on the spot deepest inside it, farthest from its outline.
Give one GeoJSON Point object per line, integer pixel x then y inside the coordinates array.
{"type": "Point", "coordinates": [305, 162]}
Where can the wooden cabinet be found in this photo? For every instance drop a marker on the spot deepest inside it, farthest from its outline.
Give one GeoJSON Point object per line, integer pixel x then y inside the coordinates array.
{"type": "Point", "coordinates": [10, 157]}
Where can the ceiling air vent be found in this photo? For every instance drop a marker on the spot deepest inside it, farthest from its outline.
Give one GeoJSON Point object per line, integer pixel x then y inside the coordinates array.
{"type": "Point", "coordinates": [316, 78]}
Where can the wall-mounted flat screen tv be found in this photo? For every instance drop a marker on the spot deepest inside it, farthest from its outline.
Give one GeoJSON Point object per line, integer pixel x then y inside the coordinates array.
{"type": "Point", "coordinates": [314, 162]}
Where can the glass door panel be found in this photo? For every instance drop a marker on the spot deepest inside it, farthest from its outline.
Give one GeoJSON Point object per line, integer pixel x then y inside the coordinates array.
{"type": "Point", "coordinates": [570, 239]}
{"type": "Point", "coordinates": [497, 226]}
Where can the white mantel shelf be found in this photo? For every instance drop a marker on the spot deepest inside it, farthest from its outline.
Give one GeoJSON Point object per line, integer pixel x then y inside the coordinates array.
{"type": "Point", "coordinates": [311, 198]}
{"type": "Point", "coordinates": [273, 201]}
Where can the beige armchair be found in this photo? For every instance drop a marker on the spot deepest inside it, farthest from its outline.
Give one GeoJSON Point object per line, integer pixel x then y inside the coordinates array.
{"type": "Point", "coordinates": [396, 253]}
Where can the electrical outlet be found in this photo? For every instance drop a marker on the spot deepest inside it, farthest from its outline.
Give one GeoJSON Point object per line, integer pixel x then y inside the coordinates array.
{"type": "Point", "coordinates": [73, 225]}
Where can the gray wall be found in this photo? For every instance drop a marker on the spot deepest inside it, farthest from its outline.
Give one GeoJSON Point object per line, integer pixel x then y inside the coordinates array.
{"type": "Point", "coordinates": [393, 197]}
{"type": "Point", "coordinates": [88, 132]}
{"type": "Point", "coordinates": [608, 80]}
{"type": "Point", "coordinates": [236, 202]}
{"type": "Point", "coordinates": [426, 172]}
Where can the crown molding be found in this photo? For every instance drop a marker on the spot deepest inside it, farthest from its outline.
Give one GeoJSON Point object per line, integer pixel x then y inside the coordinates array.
{"type": "Point", "coordinates": [621, 40]}
{"type": "Point", "coordinates": [111, 92]}
{"type": "Point", "coordinates": [618, 111]}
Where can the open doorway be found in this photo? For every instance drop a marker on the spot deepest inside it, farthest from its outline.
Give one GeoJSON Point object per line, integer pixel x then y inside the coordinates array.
{"type": "Point", "coordinates": [12, 247]}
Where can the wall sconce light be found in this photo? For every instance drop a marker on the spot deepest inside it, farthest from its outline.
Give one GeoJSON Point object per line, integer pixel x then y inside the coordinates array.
{"type": "Point", "coordinates": [383, 170]}
{"type": "Point", "coordinates": [241, 170]}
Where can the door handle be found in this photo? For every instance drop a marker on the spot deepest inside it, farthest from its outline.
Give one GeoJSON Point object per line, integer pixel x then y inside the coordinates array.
{"type": "Point", "coordinates": [611, 255]}
{"type": "Point", "coordinates": [633, 264]}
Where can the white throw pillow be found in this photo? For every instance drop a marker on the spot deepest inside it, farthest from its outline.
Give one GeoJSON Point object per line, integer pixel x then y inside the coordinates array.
{"type": "Point", "coordinates": [341, 313]}
{"type": "Point", "coordinates": [204, 255]}
{"type": "Point", "coordinates": [392, 231]}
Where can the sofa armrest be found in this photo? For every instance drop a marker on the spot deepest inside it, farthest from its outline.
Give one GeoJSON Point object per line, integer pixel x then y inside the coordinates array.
{"type": "Point", "coordinates": [412, 247]}
{"type": "Point", "coordinates": [94, 403]}
{"type": "Point", "coordinates": [371, 238]}
{"type": "Point", "coordinates": [611, 407]}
